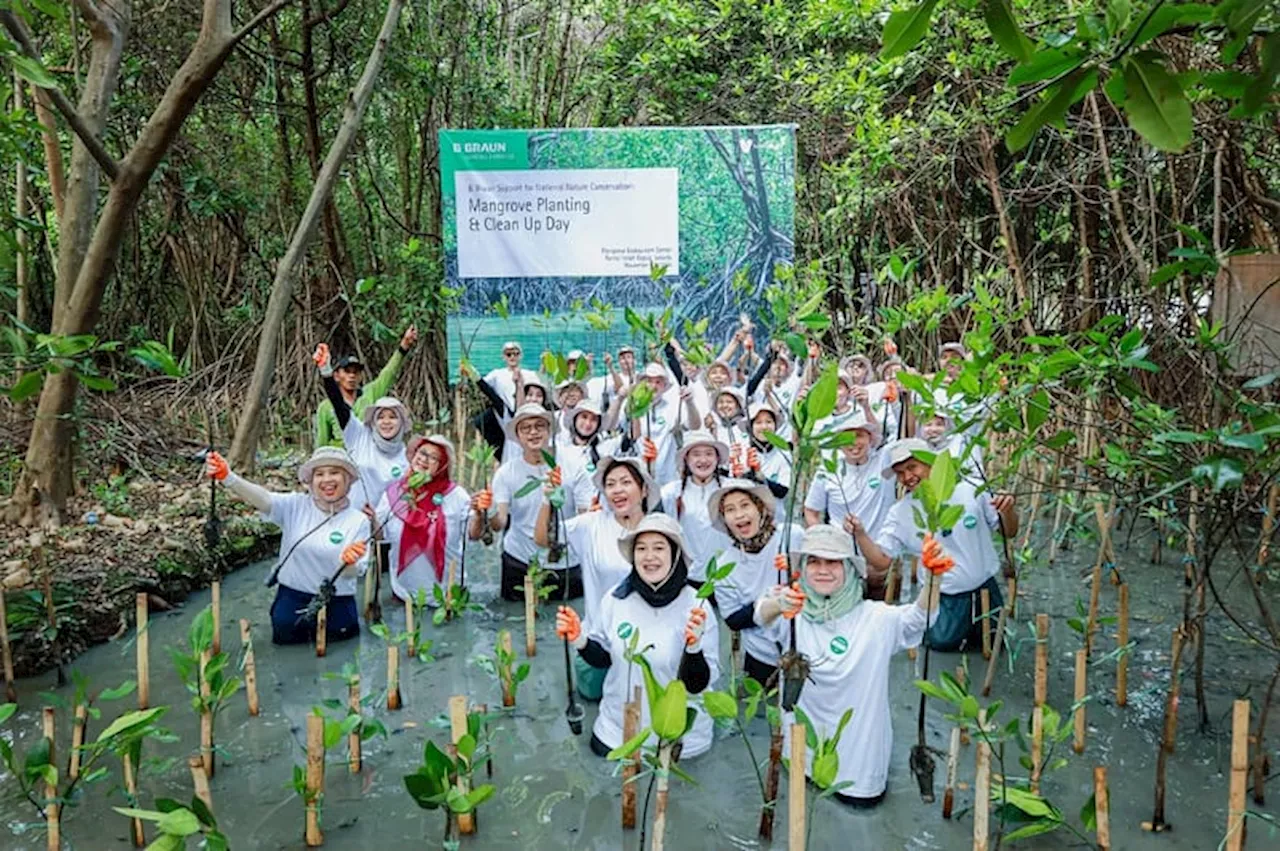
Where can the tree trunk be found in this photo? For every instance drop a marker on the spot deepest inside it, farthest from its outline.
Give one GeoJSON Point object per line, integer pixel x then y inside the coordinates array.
{"type": "Point", "coordinates": [52, 150]}
{"type": "Point", "coordinates": [282, 288]}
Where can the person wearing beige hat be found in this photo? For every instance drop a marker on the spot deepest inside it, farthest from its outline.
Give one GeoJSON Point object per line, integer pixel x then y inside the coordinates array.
{"type": "Point", "coordinates": [852, 399]}
{"type": "Point", "coordinates": [320, 530]}
{"type": "Point", "coordinates": [766, 462]}
{"type": "Point", "coordinates": [727, 419]}
{"type": "Point", "coordinates": [850, 644]}
{"type": "Point", "coordinates": [701, 462]}
{"type": "Point", "coordinates": [660, 424]}
{"type": "Point", "coordinates": [655, 606]}
{"type": "Point", "coordinates": [506, 387]}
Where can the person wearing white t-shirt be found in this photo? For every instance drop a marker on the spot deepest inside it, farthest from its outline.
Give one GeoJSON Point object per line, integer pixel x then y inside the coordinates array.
{"type": "Point", "coordinates": [423, 516]}
{"type": "Point", "coordinates": [322, 544]}
{"type": "Point", "coordinates": [658, 426]}
{"type": "Point", "coordinates": [765, 462]}
{"type": "Point", "coordinates": [781, 388]}
{"type": "Point", "coordinates": [849, 642]}
{"type": "Point", "coordinates": [970, 543]}
{"type": "Point", "coordinates": [580, 455]}
{"type": "Point", "coordinates": [505, 388]}
{"type": "Point", "coordinates": [678, 631]}
{"type": "Point", "coordinates": [593, 386]}
{"type": "Point", "coordinates": [728, 417]}
{"type": "Point", "coordinates": [699, 461]}
{"type": "Point", "coordinates": [888, 401]}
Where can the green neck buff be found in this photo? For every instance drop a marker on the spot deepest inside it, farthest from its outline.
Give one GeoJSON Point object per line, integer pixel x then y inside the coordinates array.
{"type": "Point", "coordinates": [820, 609]}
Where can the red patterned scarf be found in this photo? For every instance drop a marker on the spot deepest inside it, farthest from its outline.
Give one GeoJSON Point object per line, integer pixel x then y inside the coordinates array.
{"type": "Point", "coordinates": [425, 528]}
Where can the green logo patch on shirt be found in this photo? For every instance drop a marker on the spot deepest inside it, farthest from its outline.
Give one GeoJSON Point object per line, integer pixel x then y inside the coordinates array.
{"type": "Point", "coordinates": [624, 630]}
{"type": "Point", "coordinates": [335, 537]}
{"type": "Point", "coordinates": [970, 521]}
{"type": "Point", "coordinates": [839, 645]}
{"type": "Point", "coordinates": [873, 482]}
{"type": "Point", "coordinates": [397, 471]}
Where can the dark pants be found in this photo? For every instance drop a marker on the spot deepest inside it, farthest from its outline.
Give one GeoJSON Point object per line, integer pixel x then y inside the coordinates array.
{"type": "Point", "coordinates": [860, 803]}
{"type": "Point", "coordinates": [514, 571]}
{"type": "Point", "coordinates": [762, 672]}
{"type": "Point", "coordinates": [289, 624]}
{"type": "Point", "coordinates": [958, 625]}
{"type": "Point", "coordinates": [491, 429]}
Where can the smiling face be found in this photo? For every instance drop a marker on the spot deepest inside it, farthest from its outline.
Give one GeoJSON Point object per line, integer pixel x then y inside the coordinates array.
{"type": "Point", "coordinates": [387, 423]}
{"type": "Point", "coordinates": [535, 395]}
{"type": "Point", "coordinates": [891, 371]}
{"type": "Point", "coordinates": [570, 396]}
{"type": "Point", "coordinates": [348, 377]}
{"type": "Point", "coordinates": [330, 483]}
{"type": "Point", "coordinates": [429, 459]}
{"type": "Point", "coordinates": [586, 423]}
{"type": "Point", "coordinates": [741, 515]}
{"type": "Point", "coordinates": [763, 423]}
{"type": "Point", "coordinates": [623, 489]}
{"type": "Point", "coordinates": [701, 461]}
{"type": "Point", "coordinates": [532, 433]}
{"type": "Point", "coordinates": [627, 360]}
{"type": "Point", "coordinates": [718, 375]}
{"type": "Point", "coordinates": [824, 575]}
{"type": "Point", "coordinates": [858, 372]}
{"type": "Point", "coordinates": [653, 557]}
{"type": "Point", "coordinates": [779, 370]}
{"type": "Point", "coordinates": [933, 430]}
{"type": "Point", "coordinates": [911, 472]}
{"type": "Point", "coordinates": [858, 451]}
{"type": "Point", "coordinates": [511, 356]}
{"type": "Point", "coordinates": [727, 406]}
{"type": "Point", "coordinates": [657, 384]}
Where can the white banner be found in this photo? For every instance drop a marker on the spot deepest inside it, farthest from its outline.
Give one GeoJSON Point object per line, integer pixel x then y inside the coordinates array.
{"type": "Point", "coordinates": [611, 222]}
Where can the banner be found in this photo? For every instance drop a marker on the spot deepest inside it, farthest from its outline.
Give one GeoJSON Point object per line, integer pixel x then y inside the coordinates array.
{"type": "Point", "coordinates": [550, 234]}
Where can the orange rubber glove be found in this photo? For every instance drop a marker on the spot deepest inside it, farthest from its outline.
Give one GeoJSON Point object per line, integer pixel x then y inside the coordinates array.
{"type": "Point", "coordinates": [890, 347]}
{"type": "Point", "coordinates": [352, 553]}
{"type": "Point", "coordinates": [555, 478]}
{"type": "Point", "coordinates": [321, 356]}
{"type": "Point", "coordinates": [753, 458]}
{"type": "Point", "coordinates": [693, 629]}
{"type": "Point", "coordinates": [650, 451]}
{"type": "Point", "coordinates": [483, 500]}
{"type": "Point", "coordinates": [792, 601]}
{"type": "Point", "coordinates": [216, 467]}
{"type": "Point", "coordinates": [933, 558]}
{"type": "Point", "coordinates": [569, 625]}
{"type": "Point", "coordinates": [891, 392]}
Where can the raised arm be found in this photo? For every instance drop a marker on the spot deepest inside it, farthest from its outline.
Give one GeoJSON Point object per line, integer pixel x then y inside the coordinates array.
{"type": "Point", "coordinates": [332, 392]}
{"type": "Point", "coordinates": [386, 379]}
{"type": "Point", "coordinates": [216, 468]}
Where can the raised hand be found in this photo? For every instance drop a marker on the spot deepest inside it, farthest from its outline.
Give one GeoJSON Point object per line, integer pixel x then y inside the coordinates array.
{"type": "Point", "coordinates": [410, 337]}
{"type": "Point", "coordinates": [482, 501]}
{"type": "Point", "coordinates": [649, 451]}
{"type": "Point", "coordinates": [933, 558]}
{"type": "Point", "coordinates": [693, 629]}
{"type": "Point", "coordinates": [569, 626]}
{"type": "Point", "coordinates": [216, 467]}
{"type": "Point", "coordinates": [321, 356]}
{"type": "Point", "coordinates": [753, 458]}
{"type": "Point", "coordinates": [352, 553]}
{"type": "Point", "coordinates": [792, 600]}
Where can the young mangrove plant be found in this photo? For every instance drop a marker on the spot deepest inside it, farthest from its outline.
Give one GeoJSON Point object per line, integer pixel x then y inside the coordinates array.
{"type": "Point", "coordinates": [435, 784]}
{"type": "Point", "coordinates": [451, 603]}
{"type": "Point", "coordinates": [178, 823]}
{"type": "Point", "coordinates": [421, 646]}
{"type": "Point", "coordinates": [502, 666]}
{"type": "Point", "coordinates": [207, 677]}
{"type": "Point", "coordinates": [825, 763]}
{"type": "Point", "coordinates": [727, 710]}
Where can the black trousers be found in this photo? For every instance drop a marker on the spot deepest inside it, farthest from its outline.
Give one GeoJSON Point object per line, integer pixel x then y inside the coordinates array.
{"type": "Point", "coordinates": [514, 571]}
{"type": "Point", "coordinates": [762, 672]}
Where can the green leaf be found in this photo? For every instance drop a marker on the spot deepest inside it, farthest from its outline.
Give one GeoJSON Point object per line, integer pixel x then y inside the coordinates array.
{"type": "Point", "coordinates": [1004, 29]}
{"type": "Point", "coordinates": [1221, 473]}
{"type": "Point", "coordinates": [1261, 381]}
{"type": "Point", "coordinates": [1118, 15]}
{"type": "Point", "coordinates": [1047, 64]}
{"type": "Point", "coordinates": [1157, 108]}
{"type": "Point", "coordinates": [1037, 410]}
{"type": "Point", "coordinates": [719, 705]}
{"type": "Point", "coordinates": [1035, 828]}
{"type": "Point", "coordinates": [1262, 87]}
{"type": "Point", "coordinates": [1051, 108]}
{"type": "Point", "coordinates": [1089, 813]}
{"type": "Point", "coordinates": [181, 822]}
{"type": "Point", "coordinates": [145, 815]}
{"type": "Point", "coordinates": [822, 398]}
{"type": "Point", "coordinates": [630, 746]}
{"type": "Point", "coordinates": [905, 28]}
{"type": "Point", "coordinates": [33, 72]}
{"type": "Point", "coordinates": [669, 719]}
{"type": "Point", "coordinates": [825, 768]}
{"type": "Point", "coordinates": [131, 721]}
{"type": "Point", "coordinates": [1166, 18]}
{"type": "Point", "coordinates": [1246, 440]}
{"type": "Point", "coordinates": [7, 710]}
{"type": "Point", "coordinates": [26, 386]}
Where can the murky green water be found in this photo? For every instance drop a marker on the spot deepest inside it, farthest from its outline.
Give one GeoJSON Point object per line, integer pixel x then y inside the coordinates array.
{"type": "Point", "coordinates": [553, 793]}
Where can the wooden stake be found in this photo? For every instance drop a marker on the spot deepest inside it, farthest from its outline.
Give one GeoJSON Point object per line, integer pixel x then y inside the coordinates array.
{"type": "Point", "coordinates": [1037, 746]}
{"type": "Point", "coordinates": [530, 601]}
{"type": "Point", "coordinates": [1122, 638]}
{"type": "Point", "coordinates": [771, 785]}
{"type": "Point", "coordinates": [6, 652]}
{"type": "Point", "coordinates": [1170, 734]}
{"type": "Point", "coordinates": [997, 642]}
{"type": "Point", "coordinates": [408, 626]}
{"type": "Point", "coordinates": [1268, 524]}
{"type": "Point", "coordinates": [206, 719]}
{"type": "Point", "coordinates": [322, 631]}
{"type": "Point", "coordinates": [131, 786]}
{"type": "Point", "coordinates": [144, 663]}
{"type": "Point", "coordinates": [660, 809]}
{"type": "Point", "coordinates": [953, 759]}
{"type": "Point", "coordinates": [450, 572]}
{"type": "Point", "coordinates": [353, 740]}
{"type": "Point", "coordinates": [962, 678]}
{"type": "Point", "coordinates": [986, 623]}
{"type": "Point", "coordinates": [630, 726]}
{"type": "Point", "coordinates": [1095, 591]}
{"type": "Point", "coordinates": [77, 739]}
{"type": "Point", "coordinates": [215, 591]}
{"type": "Point", "coordinates": [200, 781]}
{"type": "Point", "coordinates": [315, 779]}
{"type": "Point", "coordinates": [795, 790]}
{"type": "Point", "coordinates": [1042, 660]}
{"type": "Point", "coordinates": [1239, 775]}
{"type": "Point", "coordinates": [458, 728]}
{"type": "Point", "coordinates": [250, 670]}
{"type": "Point", "coordinates": [1011, 601]}
{"type": "Point", "coordinates": [1082, 671]}
{"type": "Point", "coordinates": [891, 584]}
{"type": "Point", "coordinates": [508, 687]}
{"type": "Point", "coordinates": [982, 793]}
{"type": "Point", "coordinates": [52, 811]}
{"type": "Point", "coordinates": [393, 676]}
{"type": "Point", "coordinates": [1102, 808]}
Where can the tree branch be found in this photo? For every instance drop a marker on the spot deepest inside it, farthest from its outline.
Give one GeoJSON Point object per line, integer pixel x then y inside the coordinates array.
{"type": "Point", "coordinates": [257, 20]}
{"type": "Point", "coordinates": [91, 142]}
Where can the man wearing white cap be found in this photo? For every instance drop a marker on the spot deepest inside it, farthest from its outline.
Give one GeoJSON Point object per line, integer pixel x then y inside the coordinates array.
{"type": "Point", "coordinates": [970, 543]}
{"type": "Point", "coordinates": [849, 643]}
{"type": "Point", "coordinates": [500, 387]}
{"type": "Point", "coordinates": [660, 424]}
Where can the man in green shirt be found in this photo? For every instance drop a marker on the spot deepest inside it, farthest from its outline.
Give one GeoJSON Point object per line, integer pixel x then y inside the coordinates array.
{"type": "Point", "coordinates": [349, 373]}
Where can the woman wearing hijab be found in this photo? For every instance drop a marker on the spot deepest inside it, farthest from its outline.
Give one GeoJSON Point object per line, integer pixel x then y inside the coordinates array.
{"type": "Point", "coordinates": [745, 511]}
{"type": "Point", "coordinates": [765, 462]}
{"type": "Point", "coordinates": [849, 643]}
{"type": "Point", "coordinates": [726, 419]}
{"type": "Point", "coordinates": [320, 531]}
{"type": "Point", "coordinates": [375, 440]}
{"type": "Point", "coordinates": [423, 514]}
{"type": "Point", "coordinates": [677, 629]}
{"type": "Point", "coordinates": [700, 461]}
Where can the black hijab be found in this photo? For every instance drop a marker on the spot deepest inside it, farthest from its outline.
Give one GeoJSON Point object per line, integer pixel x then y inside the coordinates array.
{"type": "Point", "coordinates": [665, 593]}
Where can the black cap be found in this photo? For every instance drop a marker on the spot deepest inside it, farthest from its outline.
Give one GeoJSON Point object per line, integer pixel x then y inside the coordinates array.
{"type": "Point", "coordinates": [348, 362]}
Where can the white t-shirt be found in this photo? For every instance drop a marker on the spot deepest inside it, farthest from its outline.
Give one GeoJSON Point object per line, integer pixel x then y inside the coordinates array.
{"type": "Point", "coordinates": [870, 498]}
{"type": "Point", "coordinates": [513, 474]}
{"type": "Point", "coordinates": [420, 573]}
{"type": "Point", "coordinates": [775, 466]}
{"type": "Point", "coordinates": [970, 543]}
{"type": "Point", "coordinates": [659, 427]}
{"type": "Point", "coordinates": [702, 541]}
{"type": "Point", "coordinates": [662, 631]}
{"type": "Point", "coordinates": [579, 470]}
{"type": "Point", "coordinates": [319, 538]}
{"type": "Point", "coordinates": [504, 384]}
{"type": "Point", "coordinates": [850, 670]}
{"type": "Point", "coordinates": [378, 469]}
{"type": "Point", "coordinates": [886, 412]}
{"type": "Point", "coordinates": [754, 574]}
{"type": "Point", "coordinates": [593, 543]}
{"type": "Point", "coordinates": [783, 399]}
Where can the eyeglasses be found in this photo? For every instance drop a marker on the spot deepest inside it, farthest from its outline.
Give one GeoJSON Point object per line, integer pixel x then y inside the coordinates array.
{"type": "Point", "coordinates": [531, 427]}
{"type": "Point", "coordinates": [509, 352]}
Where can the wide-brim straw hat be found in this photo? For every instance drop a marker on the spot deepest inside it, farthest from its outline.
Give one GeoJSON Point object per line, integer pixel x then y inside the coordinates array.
{"type": "Point", "coordinates": [729, 486]}
{"type": "Point", "coordinates": [660, 523]}
{"type": "Point", "coordinates": [371, 413]}
{"type": "Point", "coordinates": [529, 411]}
{"type": "Point", "coordinates": [327, 456]}
{"type": "Point", "coordinates": [636, 464]}
{"type": "Point", "coordinates": [702, 437]}
{"type": "Point", "coordinates": [902, 450]}
{"type": "Point", "coordinates": [416, 442]}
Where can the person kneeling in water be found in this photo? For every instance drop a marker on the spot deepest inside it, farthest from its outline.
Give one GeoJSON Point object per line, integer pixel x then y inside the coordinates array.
{"type": "Point", "coordinates": [319, 531]}
{"type": "Point", "coordinates": [849, 642]}
{"type": "Point", "coordinates": [678, 630]}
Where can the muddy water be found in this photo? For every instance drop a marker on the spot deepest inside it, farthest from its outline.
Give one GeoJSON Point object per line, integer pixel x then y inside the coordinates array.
{"type": "Point", "coordinates": [553, 793]}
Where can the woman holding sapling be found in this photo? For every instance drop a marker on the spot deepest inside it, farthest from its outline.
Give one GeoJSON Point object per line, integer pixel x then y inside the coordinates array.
{"type": "Point", "coordinates": [424, 514]}
{"type": "Point", "coordinates": [700, 461]}
{"type": "Point", "coordinates": [320, 531]}
{"type": "Point", "coordinates": [655, 608]}
{"type": "Point", "coordinates": [849, 642]}
{"type": "Point", "coordinates": [766, 462]}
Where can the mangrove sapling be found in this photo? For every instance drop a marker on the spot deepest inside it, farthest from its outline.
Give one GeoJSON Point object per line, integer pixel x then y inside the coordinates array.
{"type": "Point", "coordinates": [205, 674]}
{"type": "Point", "coordinates": [502, 666]}
{"type": "Point", "coordinates": [82, 706]}
{"type": "Point", "coordinates": [727, 710]}
{"type": "Point", "coordinates": [358, 723]}
{"type": "Point", "coordinates": [421, 646]}
{"type": "Point", "coordinates": [825, 765]}
{"type": "Point", "coordinates": [451, 603]}
{"type": "Point", "coordinates": [434, 785]}
{"type": "Point", "coordinates": [178, 823]}
{"type": "Point", "coordinates": [481, 457]}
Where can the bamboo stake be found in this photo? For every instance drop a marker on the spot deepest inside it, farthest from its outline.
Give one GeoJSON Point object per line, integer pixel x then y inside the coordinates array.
{"type": "Point", "coordinates": [508, 687]}
{"type": "Point", "coordinates": [630, 726]}
{"type": "Point", "coordinates": [393, 676]}
{"type": "Point", "coordinates": [200, 781]}
{"type": "Point", "coordinates": [986, 623]}
{"type": "Point", "coordinates": [1082, 670]}
{"type": "Point", "coordinates": [353, 740]}
{"type": "Point", "coordinates": [1122, 638]}
{"type": "Point", "coordinates": [1239, 775]}
{"type": "Point", "coordinates": [250, 669]}
{"type": "Point", "coordinates": [408, 626]}
{"type": "Point", "coordinates": [52, 811]}
{"type": "Point", "coordinates": [10, 691]}
{"type": "Point", "coordinates": [997, 641]}
{"type": "Point", "coordinates": [953, 759]}
{"type": "Point", "coordinates": [891, 584]}
{"type": "Point", "coordinates": [1095, 591]}
{"type": "Point", "coordinates": [795, 790]}
{"type": "Point", "coordinates": [142, 648]}
{"type": "Point", "coordinates": [530, 599]}
{"type": "Point", "coordinates": [322, 631]}
{"type": "Point", "coordinates": [206, 719]}
{"type": "Point", "coordinates": [77, 739]}
{"type": "Point", "coordinates": [1011, 602]}
{"type": "Point", "coordinates": [215, 591]}
{"type": "Point", "coordinates": [1041, 695]}
{"type": "Point", "coordinates": [450, 572]}
{"type": "Point", "coordinates": [1037, 746]}
{"type": "Point", "coordinates": [982, 792]}
{"type": "Point", "coordinates": [660, 809]}
{"type": "Point", "coordinates": [315, 779]}
{"type": "Point", "coordinates": [458, 728]}
{"type": "Point", "coordinates": [1102, 808]}
{"type": "Point", "coordinates": [771, 785]}
{"type": "Point", "coordinates": [131, 786]}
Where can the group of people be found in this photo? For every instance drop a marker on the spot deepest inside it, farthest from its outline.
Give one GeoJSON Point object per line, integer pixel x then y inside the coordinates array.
{"type": "Point", "coordinates": [632, 515]}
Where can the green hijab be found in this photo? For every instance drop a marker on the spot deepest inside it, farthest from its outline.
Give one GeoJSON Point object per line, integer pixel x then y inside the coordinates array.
{"type": "Point", "coordinates": [821, 609]}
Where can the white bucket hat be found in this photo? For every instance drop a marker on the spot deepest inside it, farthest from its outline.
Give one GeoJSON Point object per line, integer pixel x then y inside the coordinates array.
{"type": "Point", "coordinates": [957, 348]}
{"type": "Point", "coordinates": [735, 393]}
{"type": "Point", "coordinates": [857, 421]}
{"type": "Point", "coordinates": [636, 464]}
{"type": "Point", "coordinates": [731, 485]}
{"type": "Point", "coordinates": [371, 413]}
{"type": "Point", "coordinates": [660, 523]}
{"type": "Point", "coordinates": [529, 411]}
{"type": "Point", "coordinates": [893, 361]}
{"type": "Point", "coordinates": [655, 370]}
{"type": "Point", "coordinates": [512, 344]}
{"type": "Point", "coordinates": [418, 441]}
{"type": "Point", "coordinates": [586, 406]}
{"type": "Point", "coordinates": [868, 369]}
{"type": "Point", "coordinates": [902, 450]}
{"type": "Point", "coordinates": [826, 541]}
{"type": "Point", "coordinates": [328, 456]}
{"type": "Point", "coordinates": [757, 408]}
{"type": "Point", "coordinates": [702, 437]}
